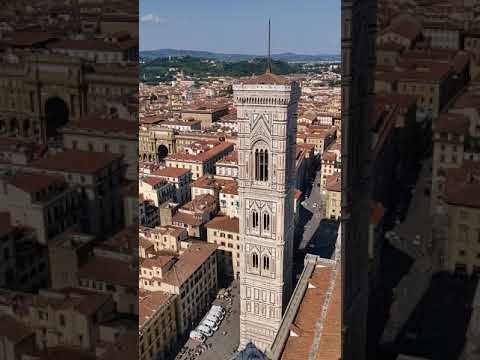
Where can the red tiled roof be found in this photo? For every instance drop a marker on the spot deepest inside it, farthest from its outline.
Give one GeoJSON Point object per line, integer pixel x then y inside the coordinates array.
{"type": "Point", "coordinates": [156, 261]}
{"type": "Point", "coordinates": [33, 182]}
{"type": "Point", "coordinates": [376, 213]}
{"type": "Point", "coordinates": [406, 29]}
{"type": "Point", "coordinates": [433, 71]}
{"type": "Point", "coordinates": [334, 183]}
{"type": "Point", "coordinates": [202, 157]}
{"type": "Point", "coordinates": [111, 271]}
{"type": "Point", "coordinates": [106, 125]}
{"type": "Point", "coordinates": [297, 194]}
{"type": "Point", "coordinates": [330, 346]}
{"type": "Point", "coordinates": [153, 181]}
{"type": "Point", "coordinates": [268, 79]}
{"type": "Point", "coordinates": [186, 218]}
{"type": "Point", "coordinates": [215, 183]}
{"type": "Point", "coordinates": [232, 157]}
{"type": "Point", "coordinates": [150, 302]}
{"type": "Point", "coordinates": [188, 262]}
{"type": "Point", "coordinates": [165, 230]}
{"type": "Point", "coordinates": [170, 172]}
{"type": "Point", "coordinates": [463, 187]}
{"type": "Point", "coordinates": [310, 312]}
{"type": "Point", "coordinates": [14, 330]}
{"type": "Point", "coordinates": [226, 223]}
{"type": "Point", "coordinates": [76, 161]}
{"type": "Point", "coordinates": [329, 156]}
{"type": "Point", "coordinates": [451, 123]}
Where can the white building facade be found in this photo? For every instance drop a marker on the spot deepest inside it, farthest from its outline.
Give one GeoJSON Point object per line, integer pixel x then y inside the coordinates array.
{"type": "Point", "coordinates": [266, 110]}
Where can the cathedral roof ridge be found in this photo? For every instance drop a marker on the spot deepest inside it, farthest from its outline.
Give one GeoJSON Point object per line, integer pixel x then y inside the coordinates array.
{"type": "Point", "coordinates": [268, 78]}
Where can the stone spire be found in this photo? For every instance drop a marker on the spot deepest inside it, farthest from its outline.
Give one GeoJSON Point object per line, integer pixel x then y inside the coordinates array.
{"type": "Point", "coordinates": [269, 59]}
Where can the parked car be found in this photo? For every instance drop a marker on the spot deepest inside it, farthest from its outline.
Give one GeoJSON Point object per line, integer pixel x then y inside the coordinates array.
{"type": "Point", "coordinates": [205, 330]}
{"type": "Point", "coordinates": [416, 241]}
{"type": "Point", "coordinates": [195, 335]}
{"type": "Point", "coordinates": [214, 318]}
{"type": "Point", "coordinates": [216, 313]}
{"type": "Point", "coordinates": [391, 235]}
{"type": "Point", "coordinates": [210, 323]}
{"type": "Point", "coordinates": [218, 308]}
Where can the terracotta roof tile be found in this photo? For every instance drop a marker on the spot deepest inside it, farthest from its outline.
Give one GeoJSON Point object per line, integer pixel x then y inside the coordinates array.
{"type": "Point", "coordinates": [268, 79]}
{"type": "Point", "coordinates": [334, 183]}
{"type": "Point", "coordinates": [226, 223]}
{"type": "Point", "coordinates": [154, 181]}
{"type": "Point", "coordinates": [14, 330]}
{"type": "Point", "coordinates": [150, 302]}
{"type": "Point", "coordinates": [376, 213]}
{"type": "Point", "coordinates": [188, 262]}
{"type": "Point", "coordinates": [76, 161]}
{"type": "Point", "coordinates": [451, 123]}
{"type": "Point", "coordinates": [112, 271]}
{"type": "Point", "coordinates": [106, 125]}
{"type": "Point", "coordinates": [170, 172]}
{"type": "Point", "coordinates": [186, 218]}
{"type": "Point", "coordinates": [310, 312]}
{"type": "Point", "coordinates": [462, 187]}
{"type": "Point", "coordinates": [33, 182]}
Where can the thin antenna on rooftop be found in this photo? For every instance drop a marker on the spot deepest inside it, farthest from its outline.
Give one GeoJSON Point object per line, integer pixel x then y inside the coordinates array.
{"type": "Point", "coordinates": [269, 60]}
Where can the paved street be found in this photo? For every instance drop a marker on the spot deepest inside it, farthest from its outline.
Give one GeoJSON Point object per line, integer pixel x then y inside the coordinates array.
{"type": "Point", "coordinates": [415, 283]}
{"type": "Point", "coordinates": [418, 220]}
{"type": "Point", "coordinates": [315, 212]}
{"type": "Point", "coordinates": [224, 342]}
{"type": "Point", "coordinates": [436, 329]}
{"type": "Point", "coordinates": [319, 235]}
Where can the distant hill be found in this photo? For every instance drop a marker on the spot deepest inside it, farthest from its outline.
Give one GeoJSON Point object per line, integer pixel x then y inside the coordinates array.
{"type": "Point", "coordinates": [164, 68]}
{"type": "Point", "coordinates": [288, 57]}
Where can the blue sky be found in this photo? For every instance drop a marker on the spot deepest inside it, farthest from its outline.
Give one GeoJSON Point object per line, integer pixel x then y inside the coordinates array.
{"type": "Point", "coordinates": [240, 26]}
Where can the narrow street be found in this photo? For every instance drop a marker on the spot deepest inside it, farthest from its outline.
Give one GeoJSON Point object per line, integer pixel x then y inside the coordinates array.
{"type": "Point", "coordinates": [312, 204]}
{"type": "Point", "coordinates": [412, 287]}
{"type": "Point", "coordinates": [315, 234]}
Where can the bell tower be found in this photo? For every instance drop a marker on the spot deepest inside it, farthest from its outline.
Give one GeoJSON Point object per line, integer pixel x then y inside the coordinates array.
{"type": "Point", "coordinates": [266, 111]}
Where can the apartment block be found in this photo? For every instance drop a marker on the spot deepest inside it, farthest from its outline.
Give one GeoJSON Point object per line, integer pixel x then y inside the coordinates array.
{"type": "Point", "coordinates": [44, 202]}
{"type": "Point", "coordinates": [158, 333]}
{"type": "Point", "coordinates": [191, 275]}
{"type": "Point", "coordinates": [98, 176]}
{"type": "Point", "coordinates": [333, 188]}
{"type": "Point", "coordinates": [181, 180]}
{"type": "Point", "coordinates": [200, 157]}
{"type": "Point", "coordinates": [195, 214]}
{"type": "Point", "coordinates": [156, 189]}
{"type": "Point", "coordinates": [224, 232]}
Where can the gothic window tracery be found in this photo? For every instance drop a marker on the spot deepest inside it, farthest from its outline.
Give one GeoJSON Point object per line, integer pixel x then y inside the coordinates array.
{"type": "Point", "coordinates": [261, 164]}
{"type": "Point", "coordinates": [255, 219]}
{"type": "Point", "coordinates": [255, 260]}
{"type": "Point", "coordinates": [266, 221]}
{"type": "Point", "coordinates": [266, 263]}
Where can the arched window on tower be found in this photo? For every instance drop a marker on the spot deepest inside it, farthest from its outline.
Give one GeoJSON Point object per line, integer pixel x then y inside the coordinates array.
{"type": "Point", "coordinates": [255, 260]}
{"type": "Point", "coordinates": [254, 219]}
{"type": "Point", "coordinates": [266, 222]}
{"type": "Point", "coordinates": [261, 164]}
{"type": "Point", "coordinates": [266, 263]}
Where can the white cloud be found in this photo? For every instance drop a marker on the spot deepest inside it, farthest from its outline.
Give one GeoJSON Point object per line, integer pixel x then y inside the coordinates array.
{"type": "Point", "coordinates": [152, 19]}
